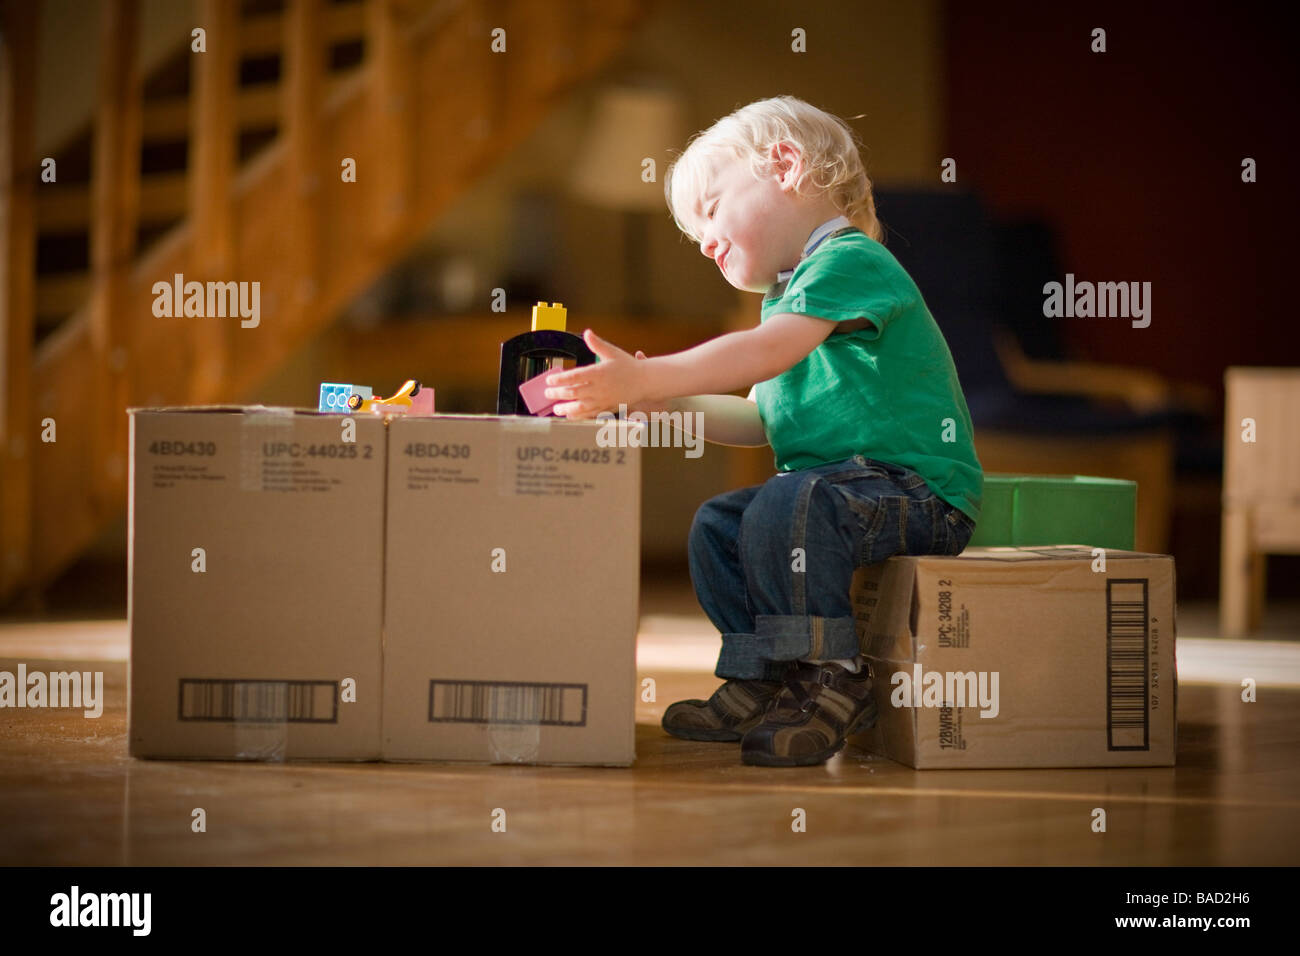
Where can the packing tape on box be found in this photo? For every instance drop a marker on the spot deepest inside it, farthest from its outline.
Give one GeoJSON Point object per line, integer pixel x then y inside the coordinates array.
{"type": "Point", "coordinates": [509, 713]}
{"type": "Point", "coordinates": [255, 711]}
{"type": "Point", "coordinates": [261, 741]}
{"type": "Point", "coordinates": [259, 429]}
{"type": "Point", "coordinates": [514, 743]}
{"type": "Point", "coordinates": [526, 423]}
{"type": "Point", "coordinates": [259, 711]}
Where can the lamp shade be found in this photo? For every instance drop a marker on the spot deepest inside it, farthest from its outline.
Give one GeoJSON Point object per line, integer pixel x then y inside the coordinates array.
{"type": "Point", "coordinates": [629, 125]}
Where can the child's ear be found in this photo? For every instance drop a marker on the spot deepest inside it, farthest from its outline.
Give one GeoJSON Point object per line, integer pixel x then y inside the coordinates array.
{"type": "Point", "coordinates": [786, 162]}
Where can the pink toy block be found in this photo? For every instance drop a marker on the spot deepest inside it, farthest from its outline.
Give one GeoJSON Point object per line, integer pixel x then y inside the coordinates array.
{"type": "Point", "coordinates": [422, 402]}
{"type": "Point", "coordinates": [534, 394]}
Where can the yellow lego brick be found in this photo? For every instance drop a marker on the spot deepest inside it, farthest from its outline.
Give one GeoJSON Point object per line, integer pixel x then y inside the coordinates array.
{"type": "Point", "coordinates": [549, 316]}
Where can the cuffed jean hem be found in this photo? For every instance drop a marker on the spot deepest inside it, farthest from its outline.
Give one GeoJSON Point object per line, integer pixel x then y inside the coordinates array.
{"type": "Point", "coordinates": [780, 638]}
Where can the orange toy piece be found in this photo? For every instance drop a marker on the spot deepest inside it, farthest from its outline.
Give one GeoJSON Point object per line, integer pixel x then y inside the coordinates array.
{"type": "Point", "coordinates": [401, 401]}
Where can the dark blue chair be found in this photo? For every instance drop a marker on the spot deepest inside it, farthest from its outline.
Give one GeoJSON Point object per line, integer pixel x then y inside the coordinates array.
{"type": "Point", "coordinates": [981, 283]}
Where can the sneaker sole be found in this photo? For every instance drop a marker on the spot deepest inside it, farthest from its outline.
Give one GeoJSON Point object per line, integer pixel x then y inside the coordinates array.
{"type": "Point", "coordinates": [709, 736]}
{"type": "Point", "coordinates": [759, 758]}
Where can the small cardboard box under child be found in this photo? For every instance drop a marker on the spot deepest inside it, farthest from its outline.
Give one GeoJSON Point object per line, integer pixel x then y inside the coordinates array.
{"type": "Point", "coordinates": [317, 586]}
{"type": "Point", "coordinates": [1051, 656]}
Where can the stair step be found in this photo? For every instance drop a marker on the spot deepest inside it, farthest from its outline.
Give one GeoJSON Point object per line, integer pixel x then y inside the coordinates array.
{"type": "Point", "coordinates": [264, 34]}
{"type": "Point", "coordinates": [258, 106]}
{"type": "Point", "coordinates": [61, 293]}
{"type": "Point", "coordinates": [67, 208]}
{"type": "Point", "coordinates": [64, 207]}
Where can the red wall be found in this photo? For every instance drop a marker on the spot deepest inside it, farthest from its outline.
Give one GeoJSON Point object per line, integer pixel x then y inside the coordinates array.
{"type": "Point", "coordinates": [1134, 155]}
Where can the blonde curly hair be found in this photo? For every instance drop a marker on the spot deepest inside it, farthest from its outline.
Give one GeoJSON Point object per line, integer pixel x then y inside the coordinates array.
{"type": "Point", "coordinates": [832, 164]}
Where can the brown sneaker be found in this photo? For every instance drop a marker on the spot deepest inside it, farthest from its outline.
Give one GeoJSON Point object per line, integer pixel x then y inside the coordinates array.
{"type": "Point", "coordinates": [734, 708]}
{"type": "Point", "coordinates": [818, 706]}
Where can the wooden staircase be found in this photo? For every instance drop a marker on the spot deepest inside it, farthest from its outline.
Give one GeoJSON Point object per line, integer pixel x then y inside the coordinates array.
{"type": "Point", "coordinates": [412, 90]}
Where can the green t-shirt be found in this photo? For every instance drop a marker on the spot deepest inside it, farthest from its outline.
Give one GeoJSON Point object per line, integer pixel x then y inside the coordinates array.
{"type": "Point", "coordinates": [888, 391]}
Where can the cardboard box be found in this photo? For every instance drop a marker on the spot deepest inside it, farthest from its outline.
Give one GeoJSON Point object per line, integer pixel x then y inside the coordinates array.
{"type": "Point", "coordinates": [1036, 510]}
{"type": "Point", "coordinates": [512, 587]}
{"type": "Point", "coordinates": [1073, 665]}
{"type": "Point", "coordinates": [255, 646]}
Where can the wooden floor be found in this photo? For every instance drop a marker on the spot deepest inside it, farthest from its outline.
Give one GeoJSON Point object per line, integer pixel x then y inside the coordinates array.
{"type": "Point", "coordinates": [70, 795]}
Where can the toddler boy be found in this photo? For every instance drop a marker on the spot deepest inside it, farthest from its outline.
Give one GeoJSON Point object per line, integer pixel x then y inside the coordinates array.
{"type": "Point", "coordinates": [856, 393]}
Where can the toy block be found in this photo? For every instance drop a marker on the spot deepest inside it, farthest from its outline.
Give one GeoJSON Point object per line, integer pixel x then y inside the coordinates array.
{"type": "Point", "coordinates": [553, 316]}
{"type": "Point", "coordinates": [534, 394]}
{"type": "Point", "coordinates": [528, 355]}
{"type": "Point", "coordinates": [422, 401]}
{"type": "Point", "coordinates": [335, 397]}
{"type": "Point", "coordinates": [400, 401]}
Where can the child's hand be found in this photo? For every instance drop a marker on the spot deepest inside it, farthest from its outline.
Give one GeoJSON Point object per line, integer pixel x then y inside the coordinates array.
{"type": "Point", "coordinates": [616, 378]}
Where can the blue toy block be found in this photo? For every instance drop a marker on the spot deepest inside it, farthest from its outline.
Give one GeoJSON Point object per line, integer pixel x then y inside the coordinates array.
{"type": "Point", "coordinates": [334, 397]}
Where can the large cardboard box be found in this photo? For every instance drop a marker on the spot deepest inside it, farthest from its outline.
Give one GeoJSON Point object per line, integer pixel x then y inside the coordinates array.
{"type": "Point", "coordinates": [512, 588]}
{"type": "Point", "coordinates": [256, 572]}
{"type": "Point", "coordinates": [1021, 657]}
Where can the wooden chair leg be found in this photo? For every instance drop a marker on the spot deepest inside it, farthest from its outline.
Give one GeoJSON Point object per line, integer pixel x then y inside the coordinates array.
{"type": "Point", "coordinates": [1258, 564]}
{"type": "Point", "coordinates": [1234, 574]}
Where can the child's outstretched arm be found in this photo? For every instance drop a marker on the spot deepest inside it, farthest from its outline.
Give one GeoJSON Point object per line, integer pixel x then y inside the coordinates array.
{"type": "Point", "coordinates": [723, 419]}
{"type": "Point", "coordinates": [729, 362]}
{"type": "Point", "coordinates": [720, 419]}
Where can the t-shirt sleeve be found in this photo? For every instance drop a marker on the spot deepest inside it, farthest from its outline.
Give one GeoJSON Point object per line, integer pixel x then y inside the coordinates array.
{"type": "Point", "coordinates": [850, 280]}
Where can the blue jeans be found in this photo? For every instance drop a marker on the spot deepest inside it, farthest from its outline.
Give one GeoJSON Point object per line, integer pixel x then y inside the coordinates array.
{"type": "Point", "coordinates": [772, 564]}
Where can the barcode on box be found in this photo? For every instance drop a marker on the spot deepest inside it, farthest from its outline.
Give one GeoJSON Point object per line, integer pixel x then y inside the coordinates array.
{"type": "Point", "coordinates": [1128, 665]}
{"type": "Point", "coordinates": [234, 700]}
{"type": "Point", "coordinates": [507, 702]}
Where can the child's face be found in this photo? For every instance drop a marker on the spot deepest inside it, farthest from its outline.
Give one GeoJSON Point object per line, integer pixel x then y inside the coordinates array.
{"type": "Point", "coordinates": [747, 225]}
